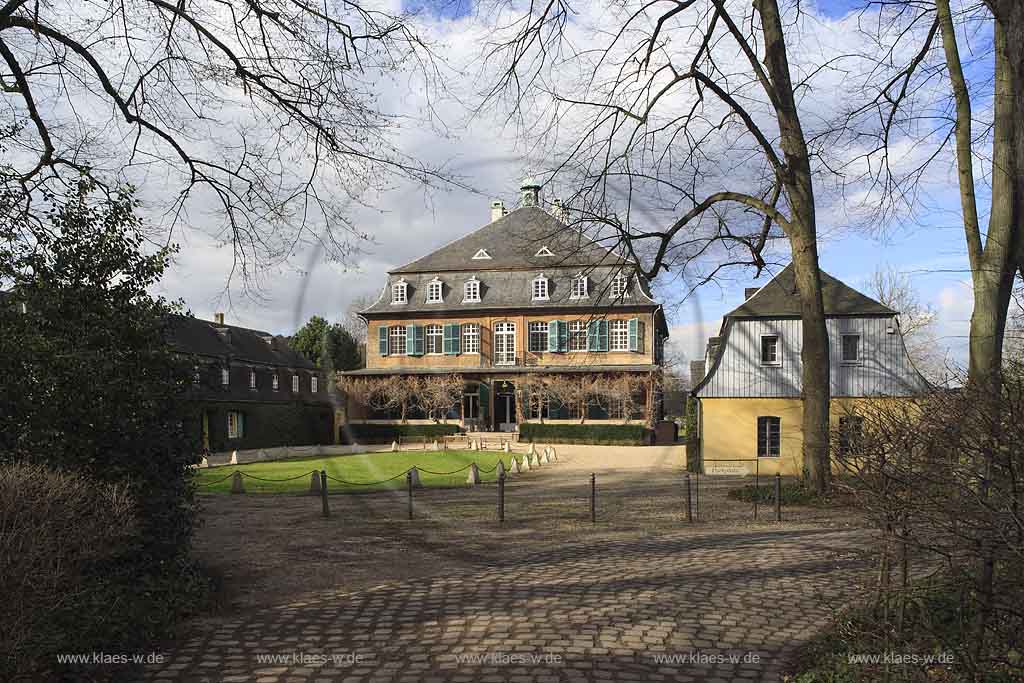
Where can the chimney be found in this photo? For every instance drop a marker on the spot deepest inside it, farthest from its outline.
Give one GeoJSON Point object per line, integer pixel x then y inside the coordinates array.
{"type": "Point", "coordinates": [218, 318]}
{"type": "Point", "coordinates": [749, 292]}
{"type": "Point", "coordinates": [497, 209]}
{"type": "Point", "coordinates": [530, 192]}
{"type": "Point", "coordinates": [558, 211]}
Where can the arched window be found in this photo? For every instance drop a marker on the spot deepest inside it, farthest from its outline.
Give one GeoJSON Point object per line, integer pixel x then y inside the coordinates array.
{"type": "Point", "coordinates": [540, 288]}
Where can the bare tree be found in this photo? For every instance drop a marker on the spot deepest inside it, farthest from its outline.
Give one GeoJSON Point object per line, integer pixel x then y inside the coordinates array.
{"type": "Point", "coordinates": [688, 108]}
{"type": "Point", "coordinates": [438, 393]}
{"type": "Point", "coordinates": [894, 288]}
{"type": "Point", "coordinates": [262, 110]}
{"type": "Point", "coordinates": [392, 392]}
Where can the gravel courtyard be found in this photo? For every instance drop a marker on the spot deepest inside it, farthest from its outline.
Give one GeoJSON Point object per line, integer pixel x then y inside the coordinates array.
{"type": "Point", "coordinates": [368, 595]}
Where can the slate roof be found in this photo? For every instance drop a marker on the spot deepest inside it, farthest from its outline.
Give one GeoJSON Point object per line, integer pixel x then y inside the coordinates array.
{"type": "Point", "coordinates": [503, 369]}
{"type": "Point", "coordinates": [778, 299]}
{"type": "Point", "coordinates": [510, 289]}
{"type": "Point", "coordinates": [512, 242]}
{"type": "Point", "coordinates": [201, 337]}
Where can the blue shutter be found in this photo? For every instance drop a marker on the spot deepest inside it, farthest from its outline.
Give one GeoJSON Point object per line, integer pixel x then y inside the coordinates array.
{"type": "Point", "coordinates": [451, 339]}
{"type": "Point", "coordinates": [563, 336]}
{"type": "Point", "coordinates": [382, 340]}
{"type": "Point", "coordinates": [414, 340]}
{"type": "Point", "coordinates": [553, 336]}
{"type": "Point", "coordinates": [592, 335]}
{"type": "Point", "coordinates": [602, 335]}
{"type": "Point", "coordinates": [634, 334]}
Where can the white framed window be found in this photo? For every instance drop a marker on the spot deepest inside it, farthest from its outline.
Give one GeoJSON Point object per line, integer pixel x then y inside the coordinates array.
{"type": "Point", "coordinates": [435, 291]}
{"type": "Point", "coordinates": [851, 348]}
{"type": "Point", "coordinates": [225, 376]}
{"type": "Point", "coordinates": [471, 291]}
{"type": "Point", "coordinates": [435, 339]}
{"type": "Point", "coordinates": [577, 335]}
{"type": "Point", "coordinates": [538, 337]}
{"type": "Point", "coordinates": [769, 437]}
{"type": "Point", "coordinates": [275, 382]}
{"type": "Point", "coordinates": [618, 335]}
{"type": "Point", "coordinates": [620, 286]}
{"type": "Point", "coordinates": [314, 384]}
{"type": "Point", "coordinates": [770, 352]}
{"type": "Point", "coordinates": [235, 425]}
{"type": "Point", "coordinates": [471, 338]}
{"type": "Point", "coordinates": [252, 379]}
{"type": "Point", "coordinates": [578, 288]}
{"type": "Point", "coordinates": [505, 343]}
{"type": "Point", "coordinates": [400, 292]}
{"type": "Point", "coordinates": [295, 384]}
{"type": "Point", "coordinates": [540, 288]}
{"type": "Point", "coordinates": [396, 340]}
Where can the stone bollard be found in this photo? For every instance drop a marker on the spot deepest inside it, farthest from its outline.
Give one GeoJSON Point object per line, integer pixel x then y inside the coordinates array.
{"type": "Point", "coordinates": [416, 484]}
{"type": "Point", "coordinates": [234, 458]}
{"type": "Point", "coordinates": [314, 483]}
{"type": "Point", "coordinates": [474, 475]}
{"type": "Point", "coordinates": [435, 446]}
{"type": "Point", "coordinates": [535, 460]}
{"type": "Point", "coordinates": [499, 470]}
{"type": "Point", "coordinates": [513, 467]}
{"type": "Point", "coordinates": [508, 448]}
{"type": "Point", "coordinates": [394, 446]}
{"type": "Point", "coordinates": [544, 458]}
{"type": "Point", "coordinates": [474, 445]}
{"type": "Point", "coordinates": [532, 450]}
{"type": "Point", "coordinates": [554, 456]}
{"type": "Point", "coordinates": [526, 464]}
{"type": "Point", "coordinates": [236, 483]}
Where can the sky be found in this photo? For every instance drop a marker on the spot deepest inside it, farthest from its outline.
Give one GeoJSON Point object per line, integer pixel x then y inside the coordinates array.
{"type": "Point", "coordinates": [408, 221]}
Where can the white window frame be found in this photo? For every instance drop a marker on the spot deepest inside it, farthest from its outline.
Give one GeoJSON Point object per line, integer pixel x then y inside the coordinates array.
{"type": "Point", "coordinates": [400, 293]}
{"type": "Point", "coordinates": [235, 430]}
{"type": "Point", "coordinates": [768, 442]}
{"type": "Point", "coordinates": [543, 251]}
{"type": "Point", "coordinates": [778, 350]}
{"type": "Point", "coordinates": [225, 377]}
{"type": "Point", "coordinates": [481, 255]}
{"type": "Point", "coordinates": [396, 340]}
{"type": "Point", "coordinates": [471, 291]}
{"type": "Point", "coordinates": [539, 328]}
{"type": "Point", "coordinates": [435, 291]}
{"type": "Point", "coordinates": [578, 336]}
{"type": "Point", "coordinates": [620, 286]}
{"type": "Point", "coordinates": [470, 338]}
{"type": "Point", "coordinates": [618, 335]}
{"type": "Point", "coordinates": [540, 290]}
{"type": "Point", "coordinates": [275, 382]}
{"type": "Point", "coordinates": [314, 384]}
{"type": "Point", "coordinates": [434, 333]}
{"type": "Point", "coordinates": [504, 352]}
{"type": "Point", "coordinates": [295, 384]}
{"type": "Point", "coordinates": [578, 287]}
{"type": "Point", "coordinates": [842, 350]}
{"type": "Point", "coordinates": [252, 378]}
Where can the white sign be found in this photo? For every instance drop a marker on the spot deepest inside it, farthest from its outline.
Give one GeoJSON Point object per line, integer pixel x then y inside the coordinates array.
{"type": "Point", "coordinates": [726, 468]}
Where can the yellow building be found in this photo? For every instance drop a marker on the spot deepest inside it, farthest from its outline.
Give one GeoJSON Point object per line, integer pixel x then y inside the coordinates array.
{"type": "Point", "coordinates": [525, 294]}
{"type": "Point", "coordinates": [748, 387]}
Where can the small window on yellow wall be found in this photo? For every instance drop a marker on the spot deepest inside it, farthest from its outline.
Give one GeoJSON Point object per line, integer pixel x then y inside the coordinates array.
{"type": "Point", "coordinates": [769, 437]}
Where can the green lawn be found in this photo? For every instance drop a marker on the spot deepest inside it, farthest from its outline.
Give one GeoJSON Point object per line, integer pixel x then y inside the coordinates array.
{"type": "Point", "coordinates": [364, 468]}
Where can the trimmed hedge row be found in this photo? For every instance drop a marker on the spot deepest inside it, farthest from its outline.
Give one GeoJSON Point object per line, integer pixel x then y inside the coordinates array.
{"type": "Point", "coordinates": [383, 433]}
{"type": "Point", "coordinates": [595, 434]}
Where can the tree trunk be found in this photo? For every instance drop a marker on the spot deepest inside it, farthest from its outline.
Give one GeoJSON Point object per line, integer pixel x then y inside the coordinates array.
{"type": "Point", "coordinates": [803, 239]}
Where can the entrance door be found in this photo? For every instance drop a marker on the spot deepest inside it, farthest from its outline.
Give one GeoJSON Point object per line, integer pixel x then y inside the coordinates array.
{"type": "Point", "coordinates": [506, 412]}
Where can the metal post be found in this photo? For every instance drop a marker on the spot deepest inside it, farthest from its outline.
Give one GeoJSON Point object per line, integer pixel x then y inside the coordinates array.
{"type": "Point", "coordinates": [323, 492]}
{"type": "Point", "coordinates": [593, 498]}
{"type": "Point", "coordinates": [501, 498]}
{"type": "Point", "coordinates": [757, 485]}
{"type": "Point", "coordinates": [408, 481]}
{"type": "Point", "coordinates": [698, 496]}
{"type": "Point", "coordinates": [778, 497]}
{"type": "Point", "coordinates": [689, 500]}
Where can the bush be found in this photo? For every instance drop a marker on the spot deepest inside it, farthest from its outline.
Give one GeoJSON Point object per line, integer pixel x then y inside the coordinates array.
{"type": "Point", "coordinates": [793, 493]}
{"type": "Point", "coordinates": [384, 433]}
{"type": "Point", "coordinates": [597, 434]}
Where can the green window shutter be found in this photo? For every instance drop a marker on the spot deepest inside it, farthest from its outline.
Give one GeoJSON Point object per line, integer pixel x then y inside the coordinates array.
{"type": "Point", "coordinates": [602, 335]}
{"type": "Point", "coordinates": [484, 401]}
{"type": "Point", "coordinates": [563, 336]}
{"type": "Point", "coordinates": [414, 340]}
{"type": "Point", "coordinates": [592, 335]}
{"type": "Point", "coordinates": [634, 334]}
{"type": "Point", "coordinates": [451, 339]}
{"type": "Point", "coordinates": [241, 425]}
{"type": "Point", "coordinates": [552, 336]}
{"type": "Point", "coordinates": [382, 340]}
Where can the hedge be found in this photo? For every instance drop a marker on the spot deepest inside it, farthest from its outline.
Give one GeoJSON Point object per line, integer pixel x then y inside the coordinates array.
{"type": "Point", "coordinates": [383, 433]}
{"type": "Point", "coordinates": [597, 434]}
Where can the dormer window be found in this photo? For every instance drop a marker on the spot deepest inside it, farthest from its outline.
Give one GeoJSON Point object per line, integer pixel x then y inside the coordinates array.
{"type": "Point", "coordinates": [435, 291]}
{"type": "Point", "coordinates": [481, 255]}
{"type": "Point", "coordinates": [620, 284]}
{"type": "Point", "coordinates": [540, 288]}
{"type": "Point", "coordinates": [225, 377]}
{"type": "Point", "coordinates": [252, 379]}
{"type": "Point", "coordinates": [579, 287]}
{"type": "Point", "coordinates": [471, 291]}
{"type": "Point", "coordinates": [544, 251]}
{"type": "Point", "coordinates": [400, 292]}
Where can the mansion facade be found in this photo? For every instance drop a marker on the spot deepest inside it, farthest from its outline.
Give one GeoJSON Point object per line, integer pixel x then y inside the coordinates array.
{"type": "Point", "coordinates": [525, 295]}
